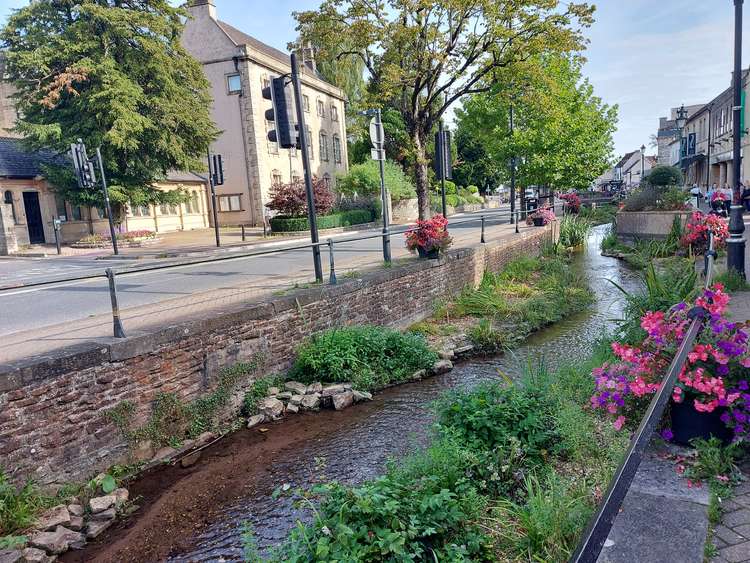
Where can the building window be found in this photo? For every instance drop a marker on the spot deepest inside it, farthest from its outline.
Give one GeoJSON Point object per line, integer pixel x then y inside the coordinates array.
{"type": "Point", "coordinates": [321, 108]}
{"type": "Point", "coordinates": [337, 149]}
{"type": "Point", "coordinates": [196, 203]}
{"type": "Point", "coordinates": [230, 202]}
{"type": "Point", "coordinates": [76, 212]}
{"type": "Point", "coordinates": [310, 143]}
{"type": "Point", "coordinates": [306, 102]}
{"type": "Point", "coordinates": [334, 113]}
{"type": "Point", "coordinates": [323, 141]}
{"type": "Point", "coordinates": [188, 206]}
{"type": "Point", "coordinates": [276, 177]}
{"type": "Point", "coordinates": [234, 84]}
{"type": "Point", "coordinates": [61, 212]}
{"type": "Point", "coordinates": [8, 199]}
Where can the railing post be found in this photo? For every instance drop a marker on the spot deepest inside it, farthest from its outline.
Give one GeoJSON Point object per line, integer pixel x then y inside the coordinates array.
{"type": "Point", "coordinates": [243, 232]}
{"type": "Point", "coordinates": [517, 220]}
{"type": "Point", "coordinates": [332, 276]}
{"type": "Point", "coordinates": [116, 324]}
{"type": "Point", "coordinates": [482, 238]}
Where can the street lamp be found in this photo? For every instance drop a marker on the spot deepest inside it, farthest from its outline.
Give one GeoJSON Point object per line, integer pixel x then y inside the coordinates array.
{"type": "Point", "coordinates": [643, 163]}
{"type": "Point", "coordinates": [680, 122]}
{"type": "Point", "coordinates": [736, 241]}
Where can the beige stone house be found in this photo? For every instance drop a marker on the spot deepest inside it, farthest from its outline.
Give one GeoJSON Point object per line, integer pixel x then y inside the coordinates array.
{"type": "Point", "coordinates": [238, 67]}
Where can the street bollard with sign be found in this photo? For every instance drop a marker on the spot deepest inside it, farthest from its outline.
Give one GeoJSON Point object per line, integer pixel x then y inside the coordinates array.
{"type": "Point", "coordinates": [377, 136]}
{"type": "Point", "coordinates": [56, 225]}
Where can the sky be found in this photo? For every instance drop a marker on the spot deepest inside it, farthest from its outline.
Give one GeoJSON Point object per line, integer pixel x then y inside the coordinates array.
{"type": "Point", "coordinates": [646, 56]}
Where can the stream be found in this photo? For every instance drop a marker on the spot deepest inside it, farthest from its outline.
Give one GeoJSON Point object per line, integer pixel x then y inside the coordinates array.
{"type": "Point", "coordinates": [198, 514]}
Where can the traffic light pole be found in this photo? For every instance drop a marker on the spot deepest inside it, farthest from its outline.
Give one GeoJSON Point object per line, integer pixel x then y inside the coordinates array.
{"type": "Point", "coordinates": [736, 241]}
{"type": "Point", "coordinates": [512, 173]}
{"type": "Point", "coordinates": [385, 198]}
{"type": "Point", "coordinates": [441, 155]}
{"type": "Point", "coordinates": [107, 206]}
{"type": "Point", "coordinates": [308, 172]}
{"type": "Point", "coordinates": [213, 198]}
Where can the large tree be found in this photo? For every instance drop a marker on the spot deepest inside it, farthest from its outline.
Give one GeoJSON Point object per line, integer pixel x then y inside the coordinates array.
{"type": "Point", "coordinates": [113, 73]}
{"type": "Point", "coordinates": [562, 135]}
{"type": "Point", "coordinates": [423, 55]}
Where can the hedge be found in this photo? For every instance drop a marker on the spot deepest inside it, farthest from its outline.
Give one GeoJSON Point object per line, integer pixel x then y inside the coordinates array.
{"type": "Point", "coordinates": [282, 224]}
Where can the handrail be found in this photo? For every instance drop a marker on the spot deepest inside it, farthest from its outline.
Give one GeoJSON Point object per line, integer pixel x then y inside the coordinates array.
{"type": "Point", "coordinates": [593, 538]}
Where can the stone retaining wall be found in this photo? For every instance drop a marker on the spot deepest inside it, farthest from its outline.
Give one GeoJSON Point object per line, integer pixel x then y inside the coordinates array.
{"type": "Point", "coordinates": [52, 423]}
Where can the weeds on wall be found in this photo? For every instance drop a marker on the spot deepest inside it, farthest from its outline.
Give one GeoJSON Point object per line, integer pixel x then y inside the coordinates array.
{"type": "Point", "coordinates": [173, 420]}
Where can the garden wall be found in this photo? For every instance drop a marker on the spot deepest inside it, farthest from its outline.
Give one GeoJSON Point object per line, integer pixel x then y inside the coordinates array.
{"type": "Point", "coordinates": [632, 226]}
{"type": "Point", "coordinates": [53, 426]}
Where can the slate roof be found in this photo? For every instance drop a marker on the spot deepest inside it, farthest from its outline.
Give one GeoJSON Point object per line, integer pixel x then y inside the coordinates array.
{"type": "Point", "coordinates": [242, 38]}
{"type": "Point", "coordinates": [624, 159]}
{"type": "Point", "coordinates": [17, 162]}
{"type": "Point", "coordinates": [180, 176]}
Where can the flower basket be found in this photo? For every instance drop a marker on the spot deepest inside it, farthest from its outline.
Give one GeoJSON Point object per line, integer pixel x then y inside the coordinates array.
{"type": "Point", "coordinates": [429, 238]}
{"type": "Point", "coordinates": [538, 221]}
{"type": "Point", "coordinates": [542, 216]}
{"type": "Point", "coordinates": [688, 423]}
{"type": "Point", "coordinates": [432, 254]}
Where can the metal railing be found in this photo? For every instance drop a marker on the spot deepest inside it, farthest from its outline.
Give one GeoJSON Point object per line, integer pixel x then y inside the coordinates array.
{"type": "Point", "coordinates": [597, 531]}
{"type": "Point", "coordinates": [112, 274]}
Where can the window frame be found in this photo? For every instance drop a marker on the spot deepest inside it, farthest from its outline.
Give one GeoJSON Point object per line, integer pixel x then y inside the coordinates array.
{"type": "Point", "coordinates": [306, 103]}
{"type": "Point", "coordinates": [229, 198]}
{"type": "Point", "coordinates": [334, 112]}
{"type": "Point", "coordinates": [337, 156]}
{"type": "Point", "coordinates": [323, 145]}
{"type": "Point", "coordinates": [321, 108]}
{"type": "Point", "coordinates": [229, 77]}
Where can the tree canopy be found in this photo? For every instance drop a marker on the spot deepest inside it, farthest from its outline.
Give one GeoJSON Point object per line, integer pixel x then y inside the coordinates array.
{"type": "Point", "coordinates": [115, 75]}
{"type": "Point", "coordinates": [664, 176]}
{"type": "Point", "coordinates": [424, 55]}
{"type": "Point", "coordinates": [562, 134]}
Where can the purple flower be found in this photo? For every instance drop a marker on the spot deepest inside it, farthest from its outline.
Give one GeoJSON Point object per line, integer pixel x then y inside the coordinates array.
{"type": "Point", "coordinates": [667, 434]}
{"type": "Point", "coordinates": [725, 418]}
{"type": "Point", "coordinates": [743, 385]}
{"type": "Point", "coordinates": [740, 416]}
{"type": "Point", "coordinates": [722, 369]}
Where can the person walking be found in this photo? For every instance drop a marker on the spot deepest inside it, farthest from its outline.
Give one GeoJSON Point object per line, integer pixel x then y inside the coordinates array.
{"type": "Point", "coordinates": [746, 195]}
{"type": "Point", "coordinates": [728, 196]}
{"type": "Point", "coordinates": [695, 192]}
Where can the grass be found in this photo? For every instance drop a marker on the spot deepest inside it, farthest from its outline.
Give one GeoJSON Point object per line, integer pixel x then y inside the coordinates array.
{"type": "Point", "coordinates": [19, 506]}
{"type": "Point", "coordinates": [732, 281]}
{"type": "Point", "coordinates": [573, 230]}
{"type": "Point", "coordinates": [599, 215]}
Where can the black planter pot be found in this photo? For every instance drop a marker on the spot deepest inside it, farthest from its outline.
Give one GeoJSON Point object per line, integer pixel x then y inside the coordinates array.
{"type": "Point", "coordinates": [688, 423]}
{"type": "Point", "coordinates": [538, 221]}
{"type": "Point", "coordinates": [433, 254]}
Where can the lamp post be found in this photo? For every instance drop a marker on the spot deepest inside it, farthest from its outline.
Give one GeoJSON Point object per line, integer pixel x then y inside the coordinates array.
{"type": "Point", "coordinates": [736, 241]}
{"type": "Point", "coordinates": [643, 162]}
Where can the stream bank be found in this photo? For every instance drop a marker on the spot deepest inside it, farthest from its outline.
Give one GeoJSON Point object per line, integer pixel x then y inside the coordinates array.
{"type": "Point", "coordinates": [198, 513]}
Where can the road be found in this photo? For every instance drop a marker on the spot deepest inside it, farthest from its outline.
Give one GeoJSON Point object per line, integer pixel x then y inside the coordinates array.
{"type": "Point", "coordinates": [34, 320]}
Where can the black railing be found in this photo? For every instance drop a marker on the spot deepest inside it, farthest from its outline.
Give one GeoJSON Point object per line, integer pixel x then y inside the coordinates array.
{"type": "Point", "coordinates": [593, 538]}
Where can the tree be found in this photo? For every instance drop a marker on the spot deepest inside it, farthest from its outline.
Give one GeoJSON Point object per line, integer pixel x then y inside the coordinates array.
{"type": "Point", "coordinates": [664, 176]}
{"type": "Point", "coordinates": [562, 135]}
{"type": "Point", "coordinates": [290, 200]}
{"type": "Point", "coordinates": [364, 180]}
{"type": "Point", "coordinates": [422, 55]}
{"type": "Point", "coordinates": [115, 75]}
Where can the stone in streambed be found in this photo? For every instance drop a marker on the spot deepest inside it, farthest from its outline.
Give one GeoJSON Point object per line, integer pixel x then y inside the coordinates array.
{"type": "Point", "coordinates": [56, 542]}
{"type": "Point", "coordinates": [75, 509]}
{"type": "Point", "coordinates": [360, 396]}
{"type": "Point", "coordinates": [121, 496]}
{"type": "Point", "coordinates": [191, 459]}
{"type": "Point", "coordinates": [54, 517]}
{"type": "Point", "coordinates": [284, 396]}
{"type": "Point", "coordinates": [108, 514]}
{"type": "Point", "coordinates": [419, 375]}
{"type": "Point", "coordinates": [442, 366]}
{"type": "Point", "coordinates": [316, 387]}
{"type": "Point", "coordinates": [12, 556]}
{"type": "Point", "coordinates": [296, 399]}
{"type": "Point", "coordinates": [100, 504]}
{"type": "Point", "coordinates": [256, 420]}
{"type": "Point", "coordinates": [34, 555]}
{"type": "Point", "coordinates": [292, 408]}
{"type": "Point", "coordinates": [332, 390]}
{"type": "Point", "coordinates": [311, 402]}
{"type": "Point", "coordinates": [76, 540]}
{"type": "Point", "coordinates": [96, 527]}
{"type": "Point", "coordinates": [76, 523]}
{"type": "Point", "coordinates": [273, 391]}
{"type": "Point", "coordinates": [296, 387]}
{"type": "Point", "coordinates": [272, 408]}
{"type": "Point", "coordinates": [464, 350]}
{"type": "Point", "coordinates": [343, 400]}
{"type": "Point", "coordinates": [446, 354]}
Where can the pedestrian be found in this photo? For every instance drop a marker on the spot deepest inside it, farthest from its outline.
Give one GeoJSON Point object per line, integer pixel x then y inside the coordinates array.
{"type": "Point", "coordinates": [728, 196]}
{"type": "Point", "coordinates": [695, 191]}
{"type": "Point", "coordinates": [746, 195]}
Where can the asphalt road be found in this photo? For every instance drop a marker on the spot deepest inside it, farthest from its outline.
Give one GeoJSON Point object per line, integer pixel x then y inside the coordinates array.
{"type": "Point", "coordinates": [69, 312]}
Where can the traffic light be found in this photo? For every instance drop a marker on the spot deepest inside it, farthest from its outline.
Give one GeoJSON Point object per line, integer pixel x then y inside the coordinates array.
{"type": "Point", "coordinates": [282, 114]}
{"type": "Point", "coordinates": [84, 168]}
{"type": "Point", "coordinates": [217, 170]}
{"type": "Point", "coordinates": [443, 160]}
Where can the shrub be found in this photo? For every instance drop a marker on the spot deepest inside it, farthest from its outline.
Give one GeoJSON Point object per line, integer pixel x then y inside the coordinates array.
{"type": "Point", "coordinates": [368, 356]}
{"type": "Point", "coordinates": [573, 231]}
{"type": "Point", "coordinates": [291, 199]}
{"type": "Point", "coordinates": [257, 391]}
{"type": "Point", "coordinates": [283, 224]}
{"type": "Point", "coordinates": [664, 176]}
{"type": "Point", "coordinates": [656, 198]}
{"type": "Point", "coordinates": [486, 338]}
{"type": "Point", "coordinates": [364, 180]}
{"type": "Point", "coordinates": [19, 506]}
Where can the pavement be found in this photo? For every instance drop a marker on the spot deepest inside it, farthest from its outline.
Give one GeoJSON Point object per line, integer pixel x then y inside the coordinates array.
{"type": "Point", "coordinates": [38, 320]}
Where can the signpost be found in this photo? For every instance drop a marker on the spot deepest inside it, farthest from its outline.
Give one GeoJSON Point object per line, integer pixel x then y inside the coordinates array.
{"type": "Point", "coordinates": [443, 164]}
{"type": "Point", "coordinates": [215, 178]}
{"type": "Point", "coordinates": [377, 136]}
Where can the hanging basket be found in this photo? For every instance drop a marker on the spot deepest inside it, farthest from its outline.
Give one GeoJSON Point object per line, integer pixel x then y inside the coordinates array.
{"type": "Point", "coordinates": [433, 254]}
{"type": "Point", "coordinates": [538, 221]}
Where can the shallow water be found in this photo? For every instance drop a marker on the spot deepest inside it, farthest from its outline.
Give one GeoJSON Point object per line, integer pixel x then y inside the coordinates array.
{"type": "Point", "coordinates": [365, 438]}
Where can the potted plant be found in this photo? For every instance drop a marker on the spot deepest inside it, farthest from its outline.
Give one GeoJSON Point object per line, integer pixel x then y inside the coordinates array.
{"type": "Point", "coordinates": [572, 203]}
{"type": "Point", "coordinates": [697, 230]}
{"type": "Point", "coordinates": [540, 217]}
{"type": "Point", "coordinates": [711, 396]}
{"type": "Point", "coordinates": [429, 238]}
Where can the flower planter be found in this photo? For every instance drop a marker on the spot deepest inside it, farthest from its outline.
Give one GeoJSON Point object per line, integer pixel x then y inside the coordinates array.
{"type": "Point", "coordinates": [538, 221]}
{"type": "Point", "coordinates": [433, 254]}
{"type": "Point", "coordinates": [688, 423]}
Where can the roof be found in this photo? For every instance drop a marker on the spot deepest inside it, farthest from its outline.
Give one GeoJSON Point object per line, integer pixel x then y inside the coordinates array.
{"type": "Point", "coordinates": [18, 162]}
{"type": "Point", "coordinates": [242, 38]}
{"type": "Point", "coordinates": [624, 159]}
{"type": "Point", "coordinates": [181, 176]}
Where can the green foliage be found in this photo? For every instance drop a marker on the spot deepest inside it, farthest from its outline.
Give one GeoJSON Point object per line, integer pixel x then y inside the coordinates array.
{"type": "Point", "coordinates": [172, 420]}
{"type": "Point", "coordinates": [491, 416]}
{"type": "Point", "coordinates": [19, 506]}
{"type": "Point", "coordinates": [732, 281]}
{"type": "Point", "coordinates": [485, 338]}
{"type": "Point", "coordinates": [257, 391]}
{"type": "Point", "coordinates": [364, 180]}
{"type": "Point", "coordinates": [574, 230]}
{"type": "Point", "coordinates": [599, 214]}
{"type": "Point", "coordinates": [115, 75]}
{"type": "Point", "coordinates": [714, 459]}
{"type": "Point", "coordinates": [282, 224]}
{"type": "Point", "coordinates": [664, 176]}
{"type": "Point", "coordinates": [368, 356]}
{"type": "Point", "coordinates": [13, 542]}
{"type": "Point", "coordinates": [656, 198]}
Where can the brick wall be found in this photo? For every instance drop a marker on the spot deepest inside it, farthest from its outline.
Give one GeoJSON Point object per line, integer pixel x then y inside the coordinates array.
{"type": "Point", "coordinates": [52, 423]}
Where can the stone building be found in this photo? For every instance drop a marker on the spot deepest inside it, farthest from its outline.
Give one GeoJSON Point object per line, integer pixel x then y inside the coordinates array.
{"type": "Point", "coordinates": [238, 66]}
{"type": "Point", "coordinates": [667, 133]}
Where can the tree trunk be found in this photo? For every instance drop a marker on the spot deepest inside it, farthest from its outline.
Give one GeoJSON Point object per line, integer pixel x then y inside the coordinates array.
{"type": "Point", "coordinates": [421, 173]}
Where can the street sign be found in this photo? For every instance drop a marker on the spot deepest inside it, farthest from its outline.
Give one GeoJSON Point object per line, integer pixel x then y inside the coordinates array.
{"type": "Point", "coordinates": [377, 154]}
{"type": "Point", "coordinates": [377, 135]}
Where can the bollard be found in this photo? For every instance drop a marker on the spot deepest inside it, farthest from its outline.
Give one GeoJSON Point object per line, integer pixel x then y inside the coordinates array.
{"type": "Point", "coordinates": [117, 325]}
{"type": "Point", "coordinates": [243, 232]}
{"type": "Point", "coordinates": [332, 277]}
{"type": "Point", "coordinates": [482, 237]}
{"type": "Point", "coordinates": [58, 242]}
{"type": "Point", "coordinates": [517, 220]}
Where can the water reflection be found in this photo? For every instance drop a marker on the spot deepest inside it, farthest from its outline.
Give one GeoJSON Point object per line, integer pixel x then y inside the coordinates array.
{"type": "Point", "coordinates": [397, 420]}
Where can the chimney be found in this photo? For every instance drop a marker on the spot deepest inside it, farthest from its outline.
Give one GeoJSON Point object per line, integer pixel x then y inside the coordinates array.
{"type": "Point", "coordinates": [308, 57]}
{"type": "Point", "coordinates": [201, 8]}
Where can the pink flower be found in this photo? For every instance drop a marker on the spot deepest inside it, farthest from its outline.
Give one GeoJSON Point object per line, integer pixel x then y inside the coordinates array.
{"type": "Point", "coordinates": [619, 422]}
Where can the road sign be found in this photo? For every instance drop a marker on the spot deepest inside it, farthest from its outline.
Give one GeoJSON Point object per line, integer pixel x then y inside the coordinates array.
{"type": "Point", "coordinates": [377, 136]}
{"type": "Point", "coordinates": [377, 154]}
